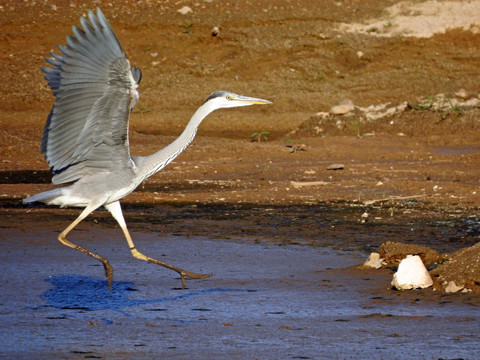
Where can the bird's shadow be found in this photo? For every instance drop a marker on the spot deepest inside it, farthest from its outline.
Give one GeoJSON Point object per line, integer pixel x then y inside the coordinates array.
{"type": "Point", "coordinates": [84, 294]}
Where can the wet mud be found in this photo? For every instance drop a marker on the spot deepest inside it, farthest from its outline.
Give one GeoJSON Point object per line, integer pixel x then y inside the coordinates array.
{"type": "Point", "coordinates": [264, 301]}
{"type": "Point", "coordinates": [284, 220]}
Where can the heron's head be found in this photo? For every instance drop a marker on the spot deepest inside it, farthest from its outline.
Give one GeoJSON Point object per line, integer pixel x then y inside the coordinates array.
{"type": "Point", "coordinates": [225, 99]}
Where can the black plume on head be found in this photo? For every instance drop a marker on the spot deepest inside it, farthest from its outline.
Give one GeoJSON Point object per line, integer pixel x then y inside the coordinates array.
{"type": "Point", "coordinates": [215, 95]}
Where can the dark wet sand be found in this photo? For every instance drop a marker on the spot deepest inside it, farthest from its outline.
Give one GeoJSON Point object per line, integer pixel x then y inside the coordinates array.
{"type": "Point", "coordinates": [264, 301]}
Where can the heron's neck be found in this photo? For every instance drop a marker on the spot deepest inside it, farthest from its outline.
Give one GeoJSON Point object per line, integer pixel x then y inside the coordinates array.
{"type": "Point", "coordinates": [149, 165]}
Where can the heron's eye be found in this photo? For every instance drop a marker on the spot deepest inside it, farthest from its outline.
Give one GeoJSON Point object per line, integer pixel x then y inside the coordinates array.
{"type": "Point", "coordinates": [229, 97]}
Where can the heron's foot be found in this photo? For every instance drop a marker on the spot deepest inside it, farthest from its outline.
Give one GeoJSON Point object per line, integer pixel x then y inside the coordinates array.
{"type": "Point", "coordinates": [183, 273]}
{"type": "Point", "coordinates": [106, 264]}
{"type": "Point", "coordinates": [108, 272]}
{"type": "Point", "coordinates": [190, 275]}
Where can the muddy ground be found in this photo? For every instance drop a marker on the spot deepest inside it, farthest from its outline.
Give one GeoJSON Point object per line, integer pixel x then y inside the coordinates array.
{"type": "Point", "coordinates": [411, 175]}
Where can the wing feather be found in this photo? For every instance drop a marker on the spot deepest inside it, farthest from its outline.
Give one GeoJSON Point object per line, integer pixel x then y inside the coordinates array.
{"type": "Point", "coordinates": [87, 128]}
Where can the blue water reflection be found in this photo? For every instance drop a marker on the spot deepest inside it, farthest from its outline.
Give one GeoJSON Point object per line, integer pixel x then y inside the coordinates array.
{"type": "Point", "coordinates": [84, 294]}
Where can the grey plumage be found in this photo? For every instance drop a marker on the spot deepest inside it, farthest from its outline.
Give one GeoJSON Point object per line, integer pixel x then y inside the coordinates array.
{"type": "Point", "coordinates": [85, 139]}
{"type": "Point", "coordinates": [94, 88]}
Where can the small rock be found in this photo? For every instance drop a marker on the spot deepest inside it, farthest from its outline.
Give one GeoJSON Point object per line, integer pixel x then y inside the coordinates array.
{"type": "Point", "coordinates": [345, 107]}
{"type": "Point", "coordinates": [462, 94]}
{"type": "Point", "coordinates": [322, 114]}
{"type": "Point", "coordinates": [340, 124]}
{"type": "Point", "coordinates": [360, 54]}
{"type": "Point", "coordinates": [185, 10]}
{"type": "Point", "coordinates": [411, 274]}
{"type": "Point", "coordinates": [364, 217]}
{"type": "Point", "coordinates": [298, 184]}
{"type": "Point", "coordinates": [215, 31]}
{"type": "Point", "coordinates": [336, 167]}
{"type": "Point", "coordinates": [374, 261]}
{"type": "Point", "coordinates": [452, 287]}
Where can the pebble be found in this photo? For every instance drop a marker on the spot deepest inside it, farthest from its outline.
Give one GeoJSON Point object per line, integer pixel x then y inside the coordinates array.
{"type": "Point", "coordinates": [322, 114]}
{"type": "Point", "coordinates": [452, 287]}
{"type": "Point", "coordinates": [374, 261]}
{"type": "Point", "coordinates": [364, 217]}
{"type": "Point", "coordinates": [336, 167]}
{"type": "Point", "coordinates": [345, 107]}
{"type": "Point", "coordinates": [185, 10]}
{"type": "Point", "coordinates": [462, 94]}
{"type": "Point", "coordinates": [298, 184]}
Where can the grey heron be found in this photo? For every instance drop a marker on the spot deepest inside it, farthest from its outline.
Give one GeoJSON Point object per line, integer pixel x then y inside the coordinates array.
{"type": "Point", "coordinates": [85, 139]}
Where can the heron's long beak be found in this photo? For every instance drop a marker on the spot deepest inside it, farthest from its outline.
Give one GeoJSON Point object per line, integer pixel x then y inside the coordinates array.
{"type": "Point", "coordinates": [253, 101]}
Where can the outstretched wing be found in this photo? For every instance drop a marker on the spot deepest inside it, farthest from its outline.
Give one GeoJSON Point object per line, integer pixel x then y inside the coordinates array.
{"type": "Point", "coordinates": [95, 89]}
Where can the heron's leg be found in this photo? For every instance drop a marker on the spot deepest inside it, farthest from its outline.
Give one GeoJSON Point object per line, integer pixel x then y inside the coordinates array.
{"type": "Point", "coordinates": [116, 211]}
{"type": "Point", "coordinates": [63, 239]}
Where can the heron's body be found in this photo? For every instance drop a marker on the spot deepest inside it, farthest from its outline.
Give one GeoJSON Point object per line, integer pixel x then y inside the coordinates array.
{"type": "Point", "coordinates": [113, 184]}
{"type": "Point", "coordinates": [85, 139]}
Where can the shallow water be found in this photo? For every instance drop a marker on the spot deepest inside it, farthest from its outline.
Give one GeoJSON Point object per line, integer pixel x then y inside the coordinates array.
{"type": "Point", "coordinates": [264, 301]}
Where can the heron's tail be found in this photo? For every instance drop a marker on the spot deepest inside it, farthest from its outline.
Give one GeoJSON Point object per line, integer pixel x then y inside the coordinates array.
{"type": "Point", "coordinates": [46, 197]}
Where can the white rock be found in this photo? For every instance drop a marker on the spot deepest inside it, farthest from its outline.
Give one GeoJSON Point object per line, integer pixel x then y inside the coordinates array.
{"type": "Point", "coordinates": [452, 287]}
{"type": "Point", "coordinates": [322, 114]}
{"type": "Point", "coordinates": [411, 274]}
{"type": "Point", "coordinates": [374, 261]}
{"type": "Point", "coordinates": [336, 166]}
{"type": "Point", "coordinates": [185, 10]}
{"type": "Point", "coordinates": [344, 108]}
{"type": "Point", "coordinates": [463, 94]}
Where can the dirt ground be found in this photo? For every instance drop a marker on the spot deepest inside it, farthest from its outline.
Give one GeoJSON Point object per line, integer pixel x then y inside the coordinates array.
{"type": "Point", "coordinates": [351, 181]}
